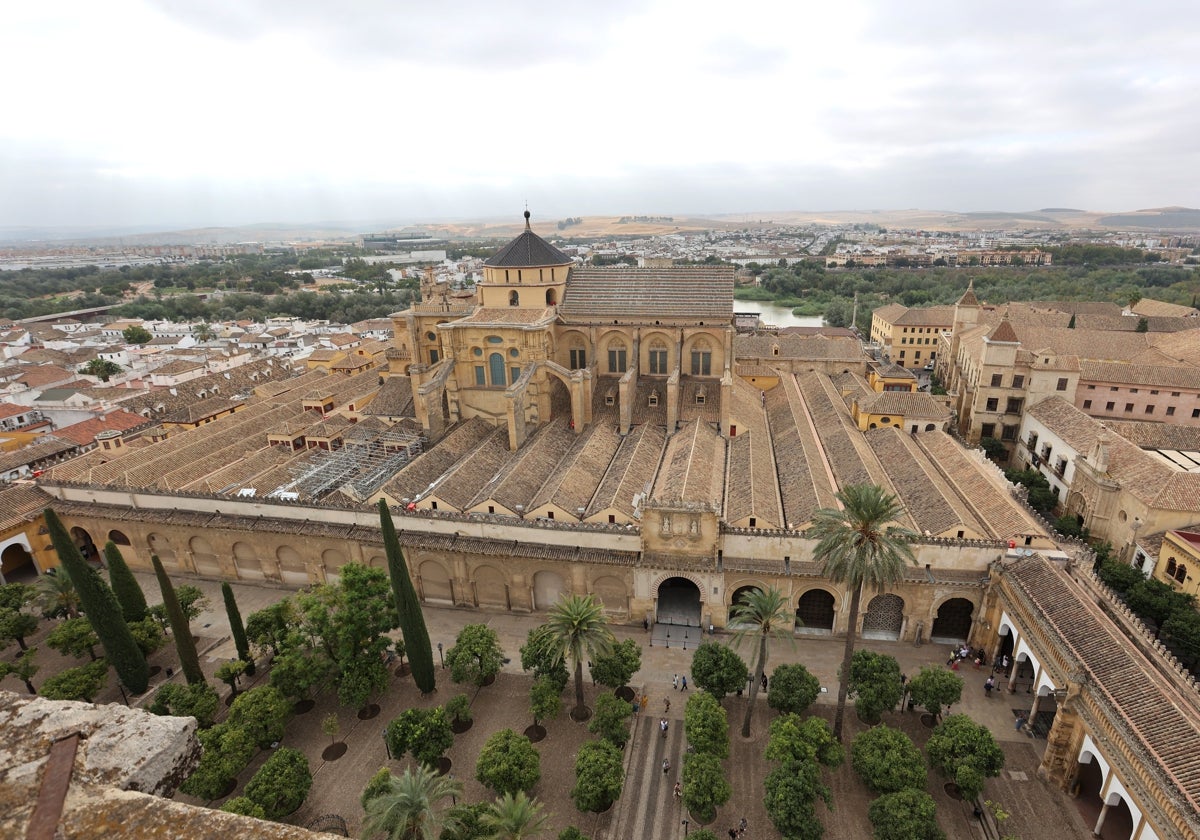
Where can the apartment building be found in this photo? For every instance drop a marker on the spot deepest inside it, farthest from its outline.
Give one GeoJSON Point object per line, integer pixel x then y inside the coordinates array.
{"type": "Point", "coordinates": [909, 336]}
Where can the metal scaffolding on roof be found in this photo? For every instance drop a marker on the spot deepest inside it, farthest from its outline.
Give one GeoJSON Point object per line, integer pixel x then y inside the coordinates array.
{"type": "Point", "coordinates": [359, 467]}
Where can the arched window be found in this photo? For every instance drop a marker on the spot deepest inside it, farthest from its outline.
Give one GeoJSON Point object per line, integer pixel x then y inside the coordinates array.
{"type": "Point", "coordinates": [1181, 573]}
{"type": "Point", "coordinates": [658, 357]}
{"type": "Point", "coordinates": [496, 370]}
{"type": "Point", "coordinates": [1170, 567]}
{"type": "Point", "coordinates": [551, 297]}
{"type": "Point", "coordinates": [578, 356]}
{"type": "Point", "coordinates": [701, 358]}
{"type": "Point", "coordinates": [514, 298]}
{"type": "Point", "coordinates": [617, 357]}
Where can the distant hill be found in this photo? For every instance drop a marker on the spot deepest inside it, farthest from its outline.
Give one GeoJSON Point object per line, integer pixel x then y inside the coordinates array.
{"type": "Point", "coordinates": [1174, 219]}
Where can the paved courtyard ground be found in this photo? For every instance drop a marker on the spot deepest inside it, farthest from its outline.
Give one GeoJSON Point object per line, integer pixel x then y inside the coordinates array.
{"type": "Point", "coordinates": [646, 809]}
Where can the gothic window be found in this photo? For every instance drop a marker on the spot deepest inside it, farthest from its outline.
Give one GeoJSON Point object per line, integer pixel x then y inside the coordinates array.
{"type": "Point", "coordinates": [578, 358]}
{"type": "Point", "coordinates": [514, 298]}
{"type": "Point", "coordinates": [701, 359]}
{"type": "Point", "coordinates": [658, 358]}
{"type": "Point", "coordinates": [617, 358]}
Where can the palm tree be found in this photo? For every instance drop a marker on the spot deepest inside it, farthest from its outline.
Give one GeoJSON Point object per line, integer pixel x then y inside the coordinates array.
{"type": "Point", "coordinates": [859, 549]}
{"type": "Point", "coordinates": [514, 817]}
{"type": "Point", "coordinates": [575, 630]}
{"type": "Point", "coordinates": [759, 615]}
{"type": "Point", "coordinates": [56, 595]}
{"type": "Point", "coordinates": [404, 809]}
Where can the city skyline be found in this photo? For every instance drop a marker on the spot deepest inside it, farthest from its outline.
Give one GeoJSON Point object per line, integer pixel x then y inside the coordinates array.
{"type": "Point", "coordinates": [143, 113]}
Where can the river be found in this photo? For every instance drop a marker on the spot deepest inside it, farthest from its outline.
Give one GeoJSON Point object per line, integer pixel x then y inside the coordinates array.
{"type": "Point", "coordinates": [775, 315]}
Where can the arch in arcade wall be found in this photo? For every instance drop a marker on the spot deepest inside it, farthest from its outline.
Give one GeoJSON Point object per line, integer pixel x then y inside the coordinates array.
{"type": "Point", "coordinates": [491, 587]}
{"type": "Point", "coordinates": [161, 546]}
{"type": "Point", "coordinates": [613, 593]}
{"type": "Point", "coordinates": [204, 556]}
{"type": "Point", "coordinates": [548, 587]}
{"type": "Point", "coordinates": [434, 583]}
{"type": "Point", "coordinates": [292, 568]}
{"type": "Point", "coordinates": [249, 566]}
{"type": "Point", "coordinates": [332, 560]}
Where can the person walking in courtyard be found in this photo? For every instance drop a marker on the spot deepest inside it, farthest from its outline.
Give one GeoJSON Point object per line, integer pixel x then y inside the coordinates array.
{"type": "Point", "coordinates": [988, 685]}
{"type": "Point", "coordinates": [733, 834]}
{"type": "Point", "coordinates": [1019, 725]}
{"type": "Point", "coordinates": [666, 705]}
{"type": "Point", "coordinates": [677, 792]}
{"type": "Point", "coordinates": [666, 766]}
{"type": "Point", "coordinates": [675, 682]}
{"type": "Point", "coordinates": [683, 683]}
{"type": "Point", "coordinates": [662, 725]}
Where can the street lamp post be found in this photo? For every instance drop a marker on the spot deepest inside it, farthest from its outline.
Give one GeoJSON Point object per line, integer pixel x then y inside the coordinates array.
{"type": "Point", "coordinates": [685, 828]}
{"type": "Point", "coordinates": [440, 658]}
{"type": "Point", "coordinates": [453, 796]}
{"type": "Point", "coordinates": [386, 745]}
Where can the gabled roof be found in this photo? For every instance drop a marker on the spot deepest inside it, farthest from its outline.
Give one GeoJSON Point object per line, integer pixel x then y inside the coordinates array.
{"type": "Point", "coordinates": [527, 251]}
{"type": "Point", "coordinates": [702, 293]}
{"type": "Point", "coordinates": [968, 297]}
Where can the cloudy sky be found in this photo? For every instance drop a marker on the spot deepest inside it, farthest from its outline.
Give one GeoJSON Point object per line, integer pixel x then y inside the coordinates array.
{"type": "Point", "coordinates": [192, 112]}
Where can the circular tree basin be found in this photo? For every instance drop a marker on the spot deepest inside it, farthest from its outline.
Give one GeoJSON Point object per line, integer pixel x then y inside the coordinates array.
{"type": "Point", "coordinates": [625, 693]}
{"type": "Point", "coordinates": [929, 720]}
{"type": "Point", "coordinates": [368, 712]}
{"type": "Point", "coordinates": [334, 751]}
{"type": "Point", "coordinates": [580, 713]}
{"type": "Point", "coordinates": [443, 765]}
{"type": "Point", "coordinates": [403, 670]}
{"type": "Point", "coordinates": [952, 790]}
{"type": "Point", "coordinates": [303, 707]}
{"type": "Point", "coordinates": [535, 733]}
{"type": "Point", "coordinates": [488, 680]}
{"type": "Point", "coordinates": [459, 726]}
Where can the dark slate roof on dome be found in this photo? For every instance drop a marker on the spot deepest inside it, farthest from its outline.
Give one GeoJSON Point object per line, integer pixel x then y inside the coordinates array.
{"type": "Point", "coordinates": [527, 251]}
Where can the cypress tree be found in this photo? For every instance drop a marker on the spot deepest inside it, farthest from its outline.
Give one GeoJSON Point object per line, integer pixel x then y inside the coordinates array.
{"type": "Point", "coordinates": [189, 661]}
{"type": "Point", "coordinates": [412, 620]}
{"type": "Point", "coordinates": [237, 628]}
{"type": "Point", "coordinates": [124, 585]}
{"type": "Point", "coordinates": [101, 608]}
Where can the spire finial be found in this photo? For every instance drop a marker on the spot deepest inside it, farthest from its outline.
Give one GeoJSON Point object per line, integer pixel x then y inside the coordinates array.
{"type": "Point", "coordinates": [526, 218]}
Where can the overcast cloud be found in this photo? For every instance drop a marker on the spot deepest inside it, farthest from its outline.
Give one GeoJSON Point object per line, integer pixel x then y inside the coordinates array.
{"type": "Point", "coordinates": [199, 112]}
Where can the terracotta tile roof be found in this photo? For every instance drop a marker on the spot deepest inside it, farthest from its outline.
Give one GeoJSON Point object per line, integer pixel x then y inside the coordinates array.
{"type": "Point", "coordinates": [460, 484]}
{"type": "Point", "coordinates": [852, 460]}
{"type": "Point", "coordinates": [416, 477]}
{"type": "Point", "coordinates": [20, 504]}
{"type": "Point", "coordinates": [761, 347]}
{"type": "Point", "coordinates": [691, 293]}
{"type": "Point", "coordinates": [46, 446]}
{"type": "Point", "coordinates": [501, 315]}
{"type": "Point", "coordinates": [528, 471]}
{"type": "Point", "coordinates": [1151, 376]}
{"type": "Point", "coordinates": [1181, 346]}
{"type": "Point", "coordinates": [752, 483]}
{"type": "Point", "coordinates": [935, 316]}
{"type": "Point", "coordinates": [907, 404]}
{"type": "Point", "coordinates": [1156, 435]}
{"type": "Point", "coordinates": [981, 486]}
{"type": "Point", "coordinates": [1150, 307]}
{"type": "Point", "coordinates": [573, 483]}
{"type": "Point", "coordinates": [631, 470]}
{"type": "Point", "coordinates": [1149, 709]}
{"type": "Point", "coordinates": [934, 506]}
{"type": "Point", "coordinates": [174, 368]}
{"type": "Point", "coordinates": [803, 482]}
{"type": "Point", "coordinates": [1086, 344]}
{"type": "Point", "coordinates": [968, 297]}
{"type": "Point", "coordinates": [9, 410]}
{"type": "Point", "coordinates": [84, 433]}
{"type": "Point", "coordinates": [203, 409]}
{"type": "Point", "coordinates": [693, 467]}
{"type": "Point", "coordinates": [394, 399]}
{"type": "Point", "coordinates": [43, 375]}
{"type": "Point", "coordinates": [1003, 332]}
